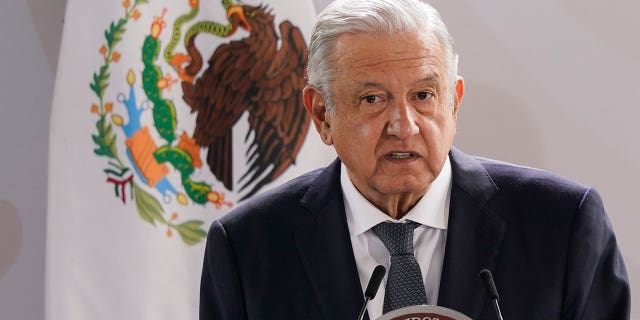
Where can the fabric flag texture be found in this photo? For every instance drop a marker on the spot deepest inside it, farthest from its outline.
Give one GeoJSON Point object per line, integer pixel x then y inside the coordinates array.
{"type": "Point", "coordinates": [166, 115]}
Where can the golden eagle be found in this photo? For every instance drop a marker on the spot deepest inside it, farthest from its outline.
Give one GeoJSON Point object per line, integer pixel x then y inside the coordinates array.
{"type": "Point", "coordinates": [262, 74]}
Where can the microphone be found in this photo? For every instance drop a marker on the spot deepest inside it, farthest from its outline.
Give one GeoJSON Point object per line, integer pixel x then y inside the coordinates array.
{"type": "Point", "coordinates": [372, 287]}
{"type": "Point", "coordinates": [492, 292]}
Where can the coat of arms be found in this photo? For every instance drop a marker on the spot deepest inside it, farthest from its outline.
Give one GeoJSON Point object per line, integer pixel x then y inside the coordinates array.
{"type": "Point", "coordinates": [153, 152]}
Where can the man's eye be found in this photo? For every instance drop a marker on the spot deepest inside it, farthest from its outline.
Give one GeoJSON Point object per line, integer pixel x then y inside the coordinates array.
{"type": "Point", "coordinates": [424, 95]}
{"type": "Point", "coordinates": [371, 99]}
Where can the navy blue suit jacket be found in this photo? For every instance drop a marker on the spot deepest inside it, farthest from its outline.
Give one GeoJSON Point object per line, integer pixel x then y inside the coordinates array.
{"type": "Point", "coordinates": [287, 255]}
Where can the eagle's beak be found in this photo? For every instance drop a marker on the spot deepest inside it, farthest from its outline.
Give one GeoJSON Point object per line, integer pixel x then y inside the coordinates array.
{"type": "Point", "coordinates": [235, 13]}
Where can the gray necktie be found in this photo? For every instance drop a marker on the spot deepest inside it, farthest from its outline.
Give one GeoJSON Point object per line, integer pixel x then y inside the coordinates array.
{"type": "Point", "coordinates": [405, 286]}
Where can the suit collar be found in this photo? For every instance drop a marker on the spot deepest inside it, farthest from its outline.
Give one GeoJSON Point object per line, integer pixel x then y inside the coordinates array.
{"type": "Point", "coordinates": [325, 248]}
{"type": "Point", "coordinates": [474, 236]}
{"type": "Point", "coordinates": [471, 176]}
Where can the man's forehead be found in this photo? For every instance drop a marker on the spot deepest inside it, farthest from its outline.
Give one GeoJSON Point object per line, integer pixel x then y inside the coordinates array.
{"type": "Point", "coordinates": [380, 50]}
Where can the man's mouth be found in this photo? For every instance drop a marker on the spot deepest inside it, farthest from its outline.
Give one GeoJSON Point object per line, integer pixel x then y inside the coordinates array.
{"type": "Point", "coordinates": [400, 155]}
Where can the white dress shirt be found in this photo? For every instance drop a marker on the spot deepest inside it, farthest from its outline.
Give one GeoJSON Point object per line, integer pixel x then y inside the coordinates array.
{"type": "Point", "coordinates": [431, 211]}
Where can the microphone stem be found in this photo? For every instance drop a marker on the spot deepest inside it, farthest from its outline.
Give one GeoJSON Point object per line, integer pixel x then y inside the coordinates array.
{"type": "Point", "coordinates": [497, 307]}
{"type": "Point", "coordinates": [364, 308]}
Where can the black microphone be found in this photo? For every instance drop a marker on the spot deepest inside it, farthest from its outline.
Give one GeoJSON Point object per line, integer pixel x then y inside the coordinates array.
{"type": "Point", "coordinates": [372, 287]}
{"type": "Point", "coordinates": [492, 292]}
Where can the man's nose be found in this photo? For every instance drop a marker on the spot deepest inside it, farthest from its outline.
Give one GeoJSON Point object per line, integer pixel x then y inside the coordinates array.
{"type": "Point", "coordinates": [402, 120]}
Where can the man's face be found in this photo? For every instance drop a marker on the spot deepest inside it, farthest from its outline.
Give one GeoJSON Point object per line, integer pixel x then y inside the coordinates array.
{"type": "Point", "coordinates": [395, 118]}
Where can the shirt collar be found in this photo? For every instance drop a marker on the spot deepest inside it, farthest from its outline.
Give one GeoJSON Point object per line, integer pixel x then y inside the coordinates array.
{"type": "Point", "coordinates": [431, 210]}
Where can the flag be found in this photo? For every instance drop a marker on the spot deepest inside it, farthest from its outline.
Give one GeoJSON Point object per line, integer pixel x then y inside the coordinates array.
{"type": "Point", "coordinates": [166, 115]}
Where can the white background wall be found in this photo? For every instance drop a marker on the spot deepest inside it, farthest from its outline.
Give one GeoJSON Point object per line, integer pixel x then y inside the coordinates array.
{"type": "Point", "coordinates": [550, 83]}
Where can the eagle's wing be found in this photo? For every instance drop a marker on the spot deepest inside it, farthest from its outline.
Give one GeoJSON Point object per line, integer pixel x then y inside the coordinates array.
{"type": "Point", "coordinates": [220, 97]}
{"type": "Point", "coordinates": [278, 118]}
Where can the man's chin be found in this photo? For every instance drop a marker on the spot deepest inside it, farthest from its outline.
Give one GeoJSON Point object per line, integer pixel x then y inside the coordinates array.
{"type": "Point", "coordinates": [404, 186]}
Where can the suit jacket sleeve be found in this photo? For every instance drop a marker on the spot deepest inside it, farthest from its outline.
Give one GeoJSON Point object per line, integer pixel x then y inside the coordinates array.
{"type": "Point", "coordinates": [220, 290]}
{"type": "Point", "coordinates": [597, 286]}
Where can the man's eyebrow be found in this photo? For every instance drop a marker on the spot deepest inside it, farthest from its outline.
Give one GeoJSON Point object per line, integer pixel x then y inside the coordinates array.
{"type": "Point", "coordinates": [368, 84]}
{"type": "Point", "coordinates": [432, 77]}
{"type": "Point", "coordinates": [371, 84]}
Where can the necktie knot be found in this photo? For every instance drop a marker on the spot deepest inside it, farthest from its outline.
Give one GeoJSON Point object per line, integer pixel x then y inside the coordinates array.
{"type": "Point", "coordinates": [397, 237]}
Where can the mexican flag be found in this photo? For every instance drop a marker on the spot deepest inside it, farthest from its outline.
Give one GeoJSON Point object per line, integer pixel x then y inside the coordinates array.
{"type": "Point", "coordinates": [166, 115]}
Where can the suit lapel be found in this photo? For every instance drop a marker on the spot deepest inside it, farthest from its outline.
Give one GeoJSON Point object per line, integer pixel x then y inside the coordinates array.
{"type": "Point", "coordinates": [474, 236]}
{"type": "Point", "coordinates": [325, 248]}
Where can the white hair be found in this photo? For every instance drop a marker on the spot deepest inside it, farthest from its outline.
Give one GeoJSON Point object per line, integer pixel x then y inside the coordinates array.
{"type": "Point", "coordinates": [371, 17]}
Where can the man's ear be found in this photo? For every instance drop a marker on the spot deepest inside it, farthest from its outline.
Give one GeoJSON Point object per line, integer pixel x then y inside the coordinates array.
{"type": "Point", "coordinates": [458, 96]}
{"type": "Point", "coordinates": [316, 107]}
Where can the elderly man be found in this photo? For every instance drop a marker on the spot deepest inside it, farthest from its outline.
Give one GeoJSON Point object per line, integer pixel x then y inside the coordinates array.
{"type": "Point", "coordinates": [383, 90]}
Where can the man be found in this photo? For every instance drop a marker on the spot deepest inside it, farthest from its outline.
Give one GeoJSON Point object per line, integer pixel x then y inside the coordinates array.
{"type": "Point", "coordinates": [384, 91]}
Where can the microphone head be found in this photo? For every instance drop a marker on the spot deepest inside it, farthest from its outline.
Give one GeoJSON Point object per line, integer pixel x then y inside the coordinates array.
{"type": "Point", "coordinates": [374, 282]}
{"type": "Point", "coordinates": [489, 285]}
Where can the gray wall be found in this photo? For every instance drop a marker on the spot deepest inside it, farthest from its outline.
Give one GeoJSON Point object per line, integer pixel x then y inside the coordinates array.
{"type": "Point", "coordinates": [560, 75]}
{"type": "Point", "coordinates": [30, 33]}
